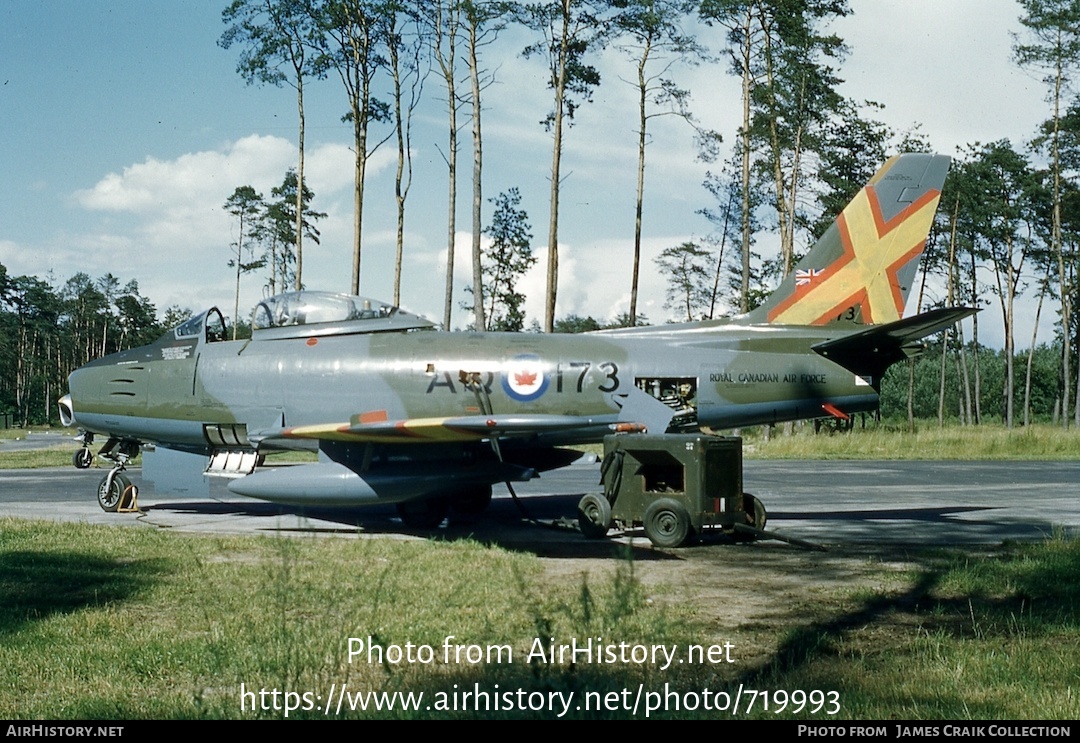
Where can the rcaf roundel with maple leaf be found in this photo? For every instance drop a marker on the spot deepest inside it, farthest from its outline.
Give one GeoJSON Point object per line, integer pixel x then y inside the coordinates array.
{"type": "Point", "coordinates": [523, 378]}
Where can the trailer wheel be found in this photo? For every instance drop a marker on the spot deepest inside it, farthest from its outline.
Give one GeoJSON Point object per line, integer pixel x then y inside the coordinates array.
{"type": "Point", "coordinates": [667, 523]}
{"type": "Point", "coordinates": [594, 516]}
{"type": "Point", "coordinates": [755, 517]}
{"type": "Point", "coordinates": [755, 511]}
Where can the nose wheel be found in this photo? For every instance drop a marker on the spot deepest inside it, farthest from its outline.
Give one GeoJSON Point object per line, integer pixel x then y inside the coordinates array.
{"type": "Point", "coordinates": [83, 458]}
{"type": "Point", "coordinates": [116, 493]}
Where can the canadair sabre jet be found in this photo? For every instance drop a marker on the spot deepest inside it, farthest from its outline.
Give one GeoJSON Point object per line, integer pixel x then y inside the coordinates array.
{"type": "Point", "coordinates": [402, 412]}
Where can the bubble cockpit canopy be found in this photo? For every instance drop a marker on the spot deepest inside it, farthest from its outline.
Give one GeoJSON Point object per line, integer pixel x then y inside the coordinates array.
{"type": "Point", "coordinates": [313, 313]}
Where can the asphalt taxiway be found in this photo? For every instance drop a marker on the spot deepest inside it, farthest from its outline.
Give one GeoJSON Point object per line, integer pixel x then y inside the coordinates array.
{"type": "Point", "coordinates": [827, 502]}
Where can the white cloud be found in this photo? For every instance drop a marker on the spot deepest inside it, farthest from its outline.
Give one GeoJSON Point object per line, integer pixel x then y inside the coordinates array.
{"type": "Point", "coordinates": [194, 179]}
{"type": "Point", "coordinates": [329, 168]}
{"type": "Point", "coordinates": [163, 219]}
{"type": "Point", "coordinates": [11, 257]}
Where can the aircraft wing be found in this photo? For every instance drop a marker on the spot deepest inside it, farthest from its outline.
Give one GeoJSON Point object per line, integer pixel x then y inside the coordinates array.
{"type": "Point", "coordinates": [362, 429]}
{"type": "Point", "coordinates": [869, 352]}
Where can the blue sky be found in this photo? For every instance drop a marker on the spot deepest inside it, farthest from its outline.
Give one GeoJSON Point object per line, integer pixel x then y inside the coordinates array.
{"type": "Point", "coordinates": [125, 127]}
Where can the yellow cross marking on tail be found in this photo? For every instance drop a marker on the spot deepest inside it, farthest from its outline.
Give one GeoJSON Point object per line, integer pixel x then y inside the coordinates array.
{"type": "Point", "coordinates": [874, 251]}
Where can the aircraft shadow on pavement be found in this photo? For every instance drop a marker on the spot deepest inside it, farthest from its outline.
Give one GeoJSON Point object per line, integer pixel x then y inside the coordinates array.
{"type": "Point", "coordinates": [918, 525]}
{"type": "Point", "coordinates": [547, 527]}
{"type": "Point", "coordinates": [886, 514]}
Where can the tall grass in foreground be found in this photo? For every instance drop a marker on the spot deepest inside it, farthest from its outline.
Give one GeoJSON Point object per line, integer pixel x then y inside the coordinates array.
{"type": "Point", "coordinates": [882, 441]}
{"type": "Point", "coordinates": [988, 637]}
{"type": "Point", "coordinates": [131, 623]}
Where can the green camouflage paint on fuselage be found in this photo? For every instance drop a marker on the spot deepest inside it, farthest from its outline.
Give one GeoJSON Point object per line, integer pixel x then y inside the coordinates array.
{"type": "Point", "coordinates": [733, 379]}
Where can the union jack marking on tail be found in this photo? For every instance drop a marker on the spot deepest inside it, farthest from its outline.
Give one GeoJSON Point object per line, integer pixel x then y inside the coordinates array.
{"type": "Point", "coordinates": [805, 277]}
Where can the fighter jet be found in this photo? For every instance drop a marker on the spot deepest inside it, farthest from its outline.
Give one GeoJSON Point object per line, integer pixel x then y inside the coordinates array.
{"type": "Point", "coordinates": [402, 412]}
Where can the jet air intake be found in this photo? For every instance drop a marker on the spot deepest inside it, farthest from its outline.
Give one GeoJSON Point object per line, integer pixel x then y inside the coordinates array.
{"type": "Point", "coordinates": [67, 414]}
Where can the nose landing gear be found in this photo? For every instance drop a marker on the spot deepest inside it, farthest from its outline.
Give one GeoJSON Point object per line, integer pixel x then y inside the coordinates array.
{"type": "Point", "coordinates": [115, 492]}
{"type": "Point", "coordinates": [83, 458]}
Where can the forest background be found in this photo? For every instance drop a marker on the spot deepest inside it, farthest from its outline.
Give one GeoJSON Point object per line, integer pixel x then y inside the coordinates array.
{"type": "Point", "coordinates": [600, 120]}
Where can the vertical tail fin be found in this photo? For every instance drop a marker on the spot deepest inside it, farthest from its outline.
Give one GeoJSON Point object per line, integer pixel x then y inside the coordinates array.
{"type": "Point", "coordinates": [863, 267]}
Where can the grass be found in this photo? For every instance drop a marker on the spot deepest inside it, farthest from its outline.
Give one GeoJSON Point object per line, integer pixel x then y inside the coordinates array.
{"type": "Point", "coordinates": [878, 441]}
{"type": "Point", "coordinates": [929, 442]}
{"type": "Point", "coordinates": [993, 637]}
{"type": "Point", "coordinates": [56, 455]}
{"type": "Point", "coordinates": [23, 432]}
{"type": "Point", "coordinates": [106, 623]}
{"type": "Point", "coordinates": [132, 623]}
{"type": "Point", "coordinates": [36, 458]}
{"type": "Point", "coordinates": [892, 441]}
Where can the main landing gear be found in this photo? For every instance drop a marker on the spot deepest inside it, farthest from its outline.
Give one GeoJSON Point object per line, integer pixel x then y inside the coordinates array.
{"type": "Point", "coordinates": [423, 513]}
{"type": "Point", "coordinates": [428, 513]}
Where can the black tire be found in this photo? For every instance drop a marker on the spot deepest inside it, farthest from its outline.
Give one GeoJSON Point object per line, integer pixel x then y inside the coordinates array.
{"type": "Point", "coordinates": [594, 516]}
{"type": "Point", "coordinates": [423, 513]}
{"type": "Point", "coordinates": [82, 459]}
{"type": "Point", "coordinates": [667, 523]}
{"type": "Point", "coordinates": [471, 501]}
{"type": "Point", "coordinates": [755, 516]}
{"type": "Point", "coordinates": [755, 511]}
{"type": "Point", "coordinates": [110, 492]}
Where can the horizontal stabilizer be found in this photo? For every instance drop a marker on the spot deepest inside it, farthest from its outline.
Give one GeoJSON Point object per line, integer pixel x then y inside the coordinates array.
{"type": "Point", "coordinates": [869, 352]}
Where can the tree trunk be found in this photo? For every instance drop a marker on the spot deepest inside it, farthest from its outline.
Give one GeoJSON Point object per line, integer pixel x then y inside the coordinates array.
{"type": "Point", "coordinates": [556, 157]}
{"type": "Point", "coordinates": [941, 380]}
{"type": "Point", "coordinates": [642, 120]}
{"type": "Point", "coordinates": [977, 413]}
{"type": "Point", "coordinates": [950, 298]}
{"type": "Point", "coordinates": [479, 319]}
{"type": "Point", "coordinates": [448, 15]}
{"type": "Point", "coordinates": [1031, 357]}
{"type": "Point", "coordinates": [360, 140]}
{"type": "Point", "coordinates": [1076, 397]}
{"type": "Point", "coordinates": [399, 173]}
{"type": "Point", "coordinates": [744, 298]}
{"type": "Point", "coordinates": [969, 418]}
{"type": "Point", "coordinates": [239, 256]}
{"type": "Point", "coordinates": [911, 362]}
{"type": "Point", "coordinates": [1010, 351]}
{"type": "Point", "coordinates": [299, 284]}
{"type": "Point", "coordinates": [1059, 248]}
